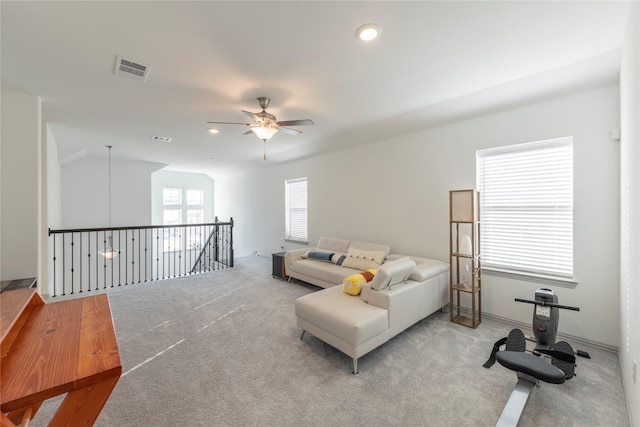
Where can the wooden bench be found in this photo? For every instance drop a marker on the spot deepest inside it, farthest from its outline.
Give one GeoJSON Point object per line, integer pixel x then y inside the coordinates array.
{"type": "Point", "coordinates": [50, 349]}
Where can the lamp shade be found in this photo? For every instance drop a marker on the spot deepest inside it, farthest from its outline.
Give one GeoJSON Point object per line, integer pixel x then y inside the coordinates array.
{"type": "Point", "coordinates": [465, 245]}
{"type": "Point", "coordinates": [264, 132]}
{"type": "Point", "coordinates": [464, 205]}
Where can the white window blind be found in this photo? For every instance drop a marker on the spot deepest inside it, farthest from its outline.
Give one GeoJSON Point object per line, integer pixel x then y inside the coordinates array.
{"type": "Point", "coordinates": [296, 209]}
{"type": "Point", "coordinates": [526, 207]}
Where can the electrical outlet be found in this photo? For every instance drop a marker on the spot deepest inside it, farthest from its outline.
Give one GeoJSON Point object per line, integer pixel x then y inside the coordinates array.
{"type": "Point", "coordinates": [634, 370]}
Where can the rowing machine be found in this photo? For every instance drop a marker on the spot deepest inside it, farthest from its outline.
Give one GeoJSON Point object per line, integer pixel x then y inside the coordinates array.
{"type": "Point", "coordinates": [531, 367]}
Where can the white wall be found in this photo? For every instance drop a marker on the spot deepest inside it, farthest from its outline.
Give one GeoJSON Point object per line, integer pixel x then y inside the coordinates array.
{"type": "Point", "coordinates": [51, 201]}
{"type": "Point", "coordinates": [184, 180]}
{"type": "Point", "coordinates": [630, 214]}
{"type": "Point", "coordinates": [53, 180]}
{"type": "Point", "coordinates": [396, 192]}
{"type": "Point", "coordinates": [19, 185]}
{"type": "Point", "coordinates": [85, 192]}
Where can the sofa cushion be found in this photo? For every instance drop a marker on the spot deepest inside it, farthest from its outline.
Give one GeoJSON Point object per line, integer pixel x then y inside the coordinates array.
{"type": "Point", "coordinates": [331, 244]}
{"type": "Point", "coordinates": [363, 259]}
{"type": "Point", "coordinates": [325, 271]}
{"type": "Point", "coordinates": [393, 272]}
{"type": "Point", "coordinates": [365, 246]}
{"type": "Point", "coordinates": [349, 319]}
{"type": "Point", "coordinates": [353, 284]}
{"type": "Point", "coordinates": [428, 269]}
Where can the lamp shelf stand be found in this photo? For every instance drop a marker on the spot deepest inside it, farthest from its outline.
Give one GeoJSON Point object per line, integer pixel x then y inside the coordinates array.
{"type": "Point", "coordinates": [465, 275]}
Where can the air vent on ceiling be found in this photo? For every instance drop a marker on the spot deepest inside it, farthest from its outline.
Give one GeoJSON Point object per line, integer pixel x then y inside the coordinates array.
{"type": "Point", "coordinates": [161, 138]}
{"type": "Point", "coordinates": [131, 69]}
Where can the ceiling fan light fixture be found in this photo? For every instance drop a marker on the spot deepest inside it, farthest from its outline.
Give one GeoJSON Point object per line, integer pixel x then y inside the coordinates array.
{"type": "Point", "coordinates": [368, 32]}
{"type": "Point", "coordinates": [264, 132]}
{"type": "Point", "coordinates": [264, 125]}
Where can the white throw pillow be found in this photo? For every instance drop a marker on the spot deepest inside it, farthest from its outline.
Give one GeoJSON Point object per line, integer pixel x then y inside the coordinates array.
{"type": "Point", "coordinates": [362, 260]}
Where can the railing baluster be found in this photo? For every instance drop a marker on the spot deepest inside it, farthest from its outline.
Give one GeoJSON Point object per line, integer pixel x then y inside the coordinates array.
{"type": "Point", "coordinates": [145, 254]}
{"type": "Point", "coordinates": [89, 262]}
{"type": "Point", "coordinates": [126, 258]}
{"type": "Point", "coordinates": [80, 263]}
{"type": "Point", "coordinates": [64, 273]}
{"type": "Point", "coordinates": [157, 254]}
{"type": "Point", "coordinates": [97, 269]}
{"type": "Point", "coordinates": [104, 262]}
{"type": "Point", "coordinates": [183, 243]}
{"type": "Point", "coordinates": [111, 262]}
{"type": "Point", "coordinates": [54, 263]}
{"type": "Point", "coordinates": [133, 256]}
{"type": "Point", "coordinates": [119, 259]}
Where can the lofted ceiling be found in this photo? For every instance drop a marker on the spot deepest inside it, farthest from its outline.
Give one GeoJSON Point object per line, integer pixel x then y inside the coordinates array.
{"type": "Point", "coordinates": [435, 61]}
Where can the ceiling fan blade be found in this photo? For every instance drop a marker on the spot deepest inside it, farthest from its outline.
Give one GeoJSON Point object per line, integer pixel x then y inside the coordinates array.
{"type": "Point", "coordinates": [303, 122]}
{"type": "Point", "coordinates": [248, 132]}
{"type": "Point", "coordinates": [253, 116]}
{"type": "Point", "coordinates": [289, 130]}
{"type": "Point", "coordinates": [230, 123]}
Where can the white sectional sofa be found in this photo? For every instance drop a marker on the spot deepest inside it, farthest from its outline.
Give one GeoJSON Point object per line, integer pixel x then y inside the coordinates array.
{"type": "Point", "coordinates": [405, 290]}
{"type": "Point", "coordinates": [326, 274]}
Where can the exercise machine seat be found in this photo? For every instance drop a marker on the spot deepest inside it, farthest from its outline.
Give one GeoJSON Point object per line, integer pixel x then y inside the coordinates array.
{"type": "Point", "coordinates": [530, 364]}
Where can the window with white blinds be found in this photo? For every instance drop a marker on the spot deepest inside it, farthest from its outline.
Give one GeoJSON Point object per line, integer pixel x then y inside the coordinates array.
{"type": "Point", "coordinates": [296, 209]}
{"type": "Point", "coordinates": [526, 207]}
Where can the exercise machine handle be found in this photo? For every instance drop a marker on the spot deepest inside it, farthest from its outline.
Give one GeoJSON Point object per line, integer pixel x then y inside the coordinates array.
{"type": "Point", "coordinates": [547, 304]}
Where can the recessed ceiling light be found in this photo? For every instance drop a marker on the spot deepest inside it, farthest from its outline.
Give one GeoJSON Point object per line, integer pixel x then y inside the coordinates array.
{"type": "Point", "coordinates": [212, 130]}
{"type": "Point", "coordinates": [368, 32]}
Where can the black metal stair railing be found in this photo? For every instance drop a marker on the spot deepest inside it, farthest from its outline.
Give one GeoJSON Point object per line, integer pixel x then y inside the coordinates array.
{"type": "Point", "coordinates": [140, 254]}
{"type": "Point", "coordinates": [216, 248]}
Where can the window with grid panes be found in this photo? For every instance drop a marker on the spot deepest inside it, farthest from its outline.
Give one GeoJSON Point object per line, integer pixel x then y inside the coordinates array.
{"type": "Point", "coordinates": [179, 204]}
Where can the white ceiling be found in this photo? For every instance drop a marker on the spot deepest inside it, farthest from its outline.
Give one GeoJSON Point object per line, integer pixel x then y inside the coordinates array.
{"type": "Point", "coordinates": [435, 61]}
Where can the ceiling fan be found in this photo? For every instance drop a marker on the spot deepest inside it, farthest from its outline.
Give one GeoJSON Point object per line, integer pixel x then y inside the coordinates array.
{"type": "Point", "coordinates": [265, 124]}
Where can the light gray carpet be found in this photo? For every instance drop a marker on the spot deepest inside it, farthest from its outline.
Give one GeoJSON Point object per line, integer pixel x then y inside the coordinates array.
{"type": "Point", "coordinates": [222, 349]}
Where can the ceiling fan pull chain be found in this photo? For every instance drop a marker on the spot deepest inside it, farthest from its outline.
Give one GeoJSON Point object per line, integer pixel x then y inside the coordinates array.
{"type": "Point", "coordinates": [264, 145]}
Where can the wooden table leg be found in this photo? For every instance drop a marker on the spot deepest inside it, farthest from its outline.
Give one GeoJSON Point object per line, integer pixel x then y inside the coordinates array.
{"type": "Point", "coordinates": [5, 421]}
{"type": "Point", "coordinates": [24, 415]}
{"type": "Point", "coordinates": [82, 407]}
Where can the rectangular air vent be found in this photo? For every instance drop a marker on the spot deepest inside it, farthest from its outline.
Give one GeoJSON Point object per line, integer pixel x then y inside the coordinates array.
{"type": "Point", "coordinates": [161, 138]}
{"type": "Point", "coordinates": [131, 69]}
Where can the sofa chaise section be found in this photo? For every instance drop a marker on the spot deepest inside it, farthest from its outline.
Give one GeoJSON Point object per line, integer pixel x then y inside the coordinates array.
{"type": "Point", "coordinates": [355, 325]}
